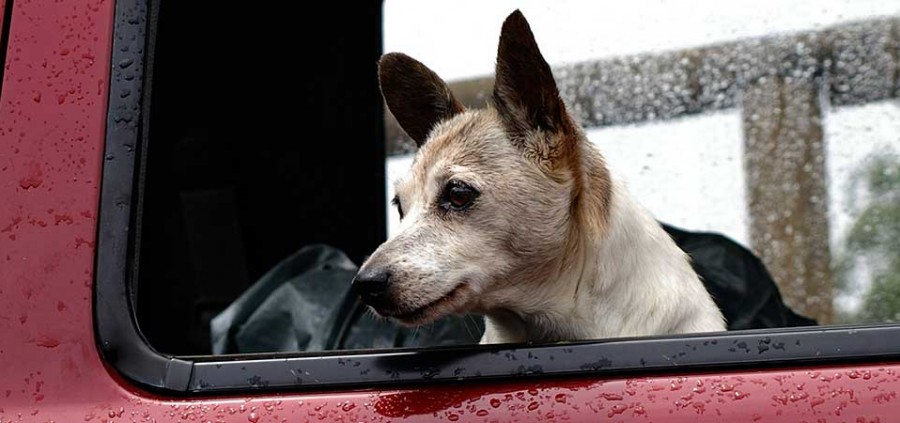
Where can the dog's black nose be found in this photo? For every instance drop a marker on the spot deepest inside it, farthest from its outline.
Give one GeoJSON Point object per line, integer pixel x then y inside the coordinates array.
{"type": "Point", "coordinates": [372, 286]}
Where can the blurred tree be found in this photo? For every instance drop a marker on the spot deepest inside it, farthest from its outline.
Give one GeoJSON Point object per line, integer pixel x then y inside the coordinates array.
{"type": "Point", "coordinates": [872, 245]}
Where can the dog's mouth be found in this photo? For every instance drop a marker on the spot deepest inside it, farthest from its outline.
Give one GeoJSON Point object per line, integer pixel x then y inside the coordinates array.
{"type": "Point", "coordinates": [446, 304]}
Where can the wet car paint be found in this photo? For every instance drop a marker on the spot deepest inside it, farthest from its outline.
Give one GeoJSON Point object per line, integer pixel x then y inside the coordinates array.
{"type": "Point", "coordinates": [52, 121]}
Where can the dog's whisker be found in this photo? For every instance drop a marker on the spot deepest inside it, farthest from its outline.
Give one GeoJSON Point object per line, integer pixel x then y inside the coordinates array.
{"type": "Point", "coordinates": [466, 325]}
{"type": "Point", "coordinates": [415, 332]}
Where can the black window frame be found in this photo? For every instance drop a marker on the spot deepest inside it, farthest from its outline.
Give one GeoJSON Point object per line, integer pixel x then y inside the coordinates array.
{"type": "Point", "coordinates": [5, 28]}
{"type": "Point", "coordinates": [125, 348]}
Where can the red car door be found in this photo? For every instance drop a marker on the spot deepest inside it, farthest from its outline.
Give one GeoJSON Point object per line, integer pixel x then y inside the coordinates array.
{"type": "Point", "coordinates": [70, 350]}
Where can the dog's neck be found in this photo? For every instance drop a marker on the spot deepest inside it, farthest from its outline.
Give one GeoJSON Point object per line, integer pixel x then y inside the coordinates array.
{"type": "Point", "coordinates": [624, 277]}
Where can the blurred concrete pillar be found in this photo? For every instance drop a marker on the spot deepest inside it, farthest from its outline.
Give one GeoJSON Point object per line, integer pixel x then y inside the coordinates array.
{"type": "Point", "coordinates": [784, 162]}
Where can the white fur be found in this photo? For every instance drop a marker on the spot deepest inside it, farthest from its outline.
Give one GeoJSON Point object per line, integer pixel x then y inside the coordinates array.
{"type": "Point", "coordinates": [634, 281]}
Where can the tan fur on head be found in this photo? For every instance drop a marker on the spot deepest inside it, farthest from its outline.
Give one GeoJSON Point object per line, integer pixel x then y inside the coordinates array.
{"type": "Point", "coordinates": [530, 245]}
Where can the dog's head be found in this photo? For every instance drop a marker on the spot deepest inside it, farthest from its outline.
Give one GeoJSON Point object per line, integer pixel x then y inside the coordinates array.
{"type": "Point", "coordinates": [487, 207]}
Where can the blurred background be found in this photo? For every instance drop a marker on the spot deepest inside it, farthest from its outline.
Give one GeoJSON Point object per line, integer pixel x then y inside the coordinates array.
{"type": "Point", "coordinates": [775, 123]}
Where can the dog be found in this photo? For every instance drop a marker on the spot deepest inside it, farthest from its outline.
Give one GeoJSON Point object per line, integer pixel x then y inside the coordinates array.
{"type": "Point", "coordinates": [510, 212]}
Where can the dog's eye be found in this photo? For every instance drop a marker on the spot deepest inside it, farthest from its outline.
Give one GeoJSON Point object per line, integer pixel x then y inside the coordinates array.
{"type": "Point", "coordinates": [458, 196]}
{"type": "Point", "coordinates": [396, 202]}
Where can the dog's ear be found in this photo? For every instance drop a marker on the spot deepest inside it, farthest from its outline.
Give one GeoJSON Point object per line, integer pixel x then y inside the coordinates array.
{"type": "Point", "coordinates": [525, 92]}
{"type": "Point", "coordinates": [417, 97]}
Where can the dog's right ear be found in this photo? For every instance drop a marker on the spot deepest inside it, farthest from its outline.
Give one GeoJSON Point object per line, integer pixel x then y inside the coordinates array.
{"type": "Point", "coordinates": [417, 97]}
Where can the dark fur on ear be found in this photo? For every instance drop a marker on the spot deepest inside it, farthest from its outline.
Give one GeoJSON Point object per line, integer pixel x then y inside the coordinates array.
{"type": "Point", "coordinates": [525, 92]}
{"type": "Point", "coordinates": [417, 97]}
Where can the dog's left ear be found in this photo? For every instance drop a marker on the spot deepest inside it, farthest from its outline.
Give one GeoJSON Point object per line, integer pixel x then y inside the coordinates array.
{"type": "Point", "coordinates": [525, 92]}
{"type": "Point", "coordinates": [417, 97]}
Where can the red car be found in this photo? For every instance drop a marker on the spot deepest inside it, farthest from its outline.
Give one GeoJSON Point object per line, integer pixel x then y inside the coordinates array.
{"type": "Point", "coordinates": [98, 167]}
